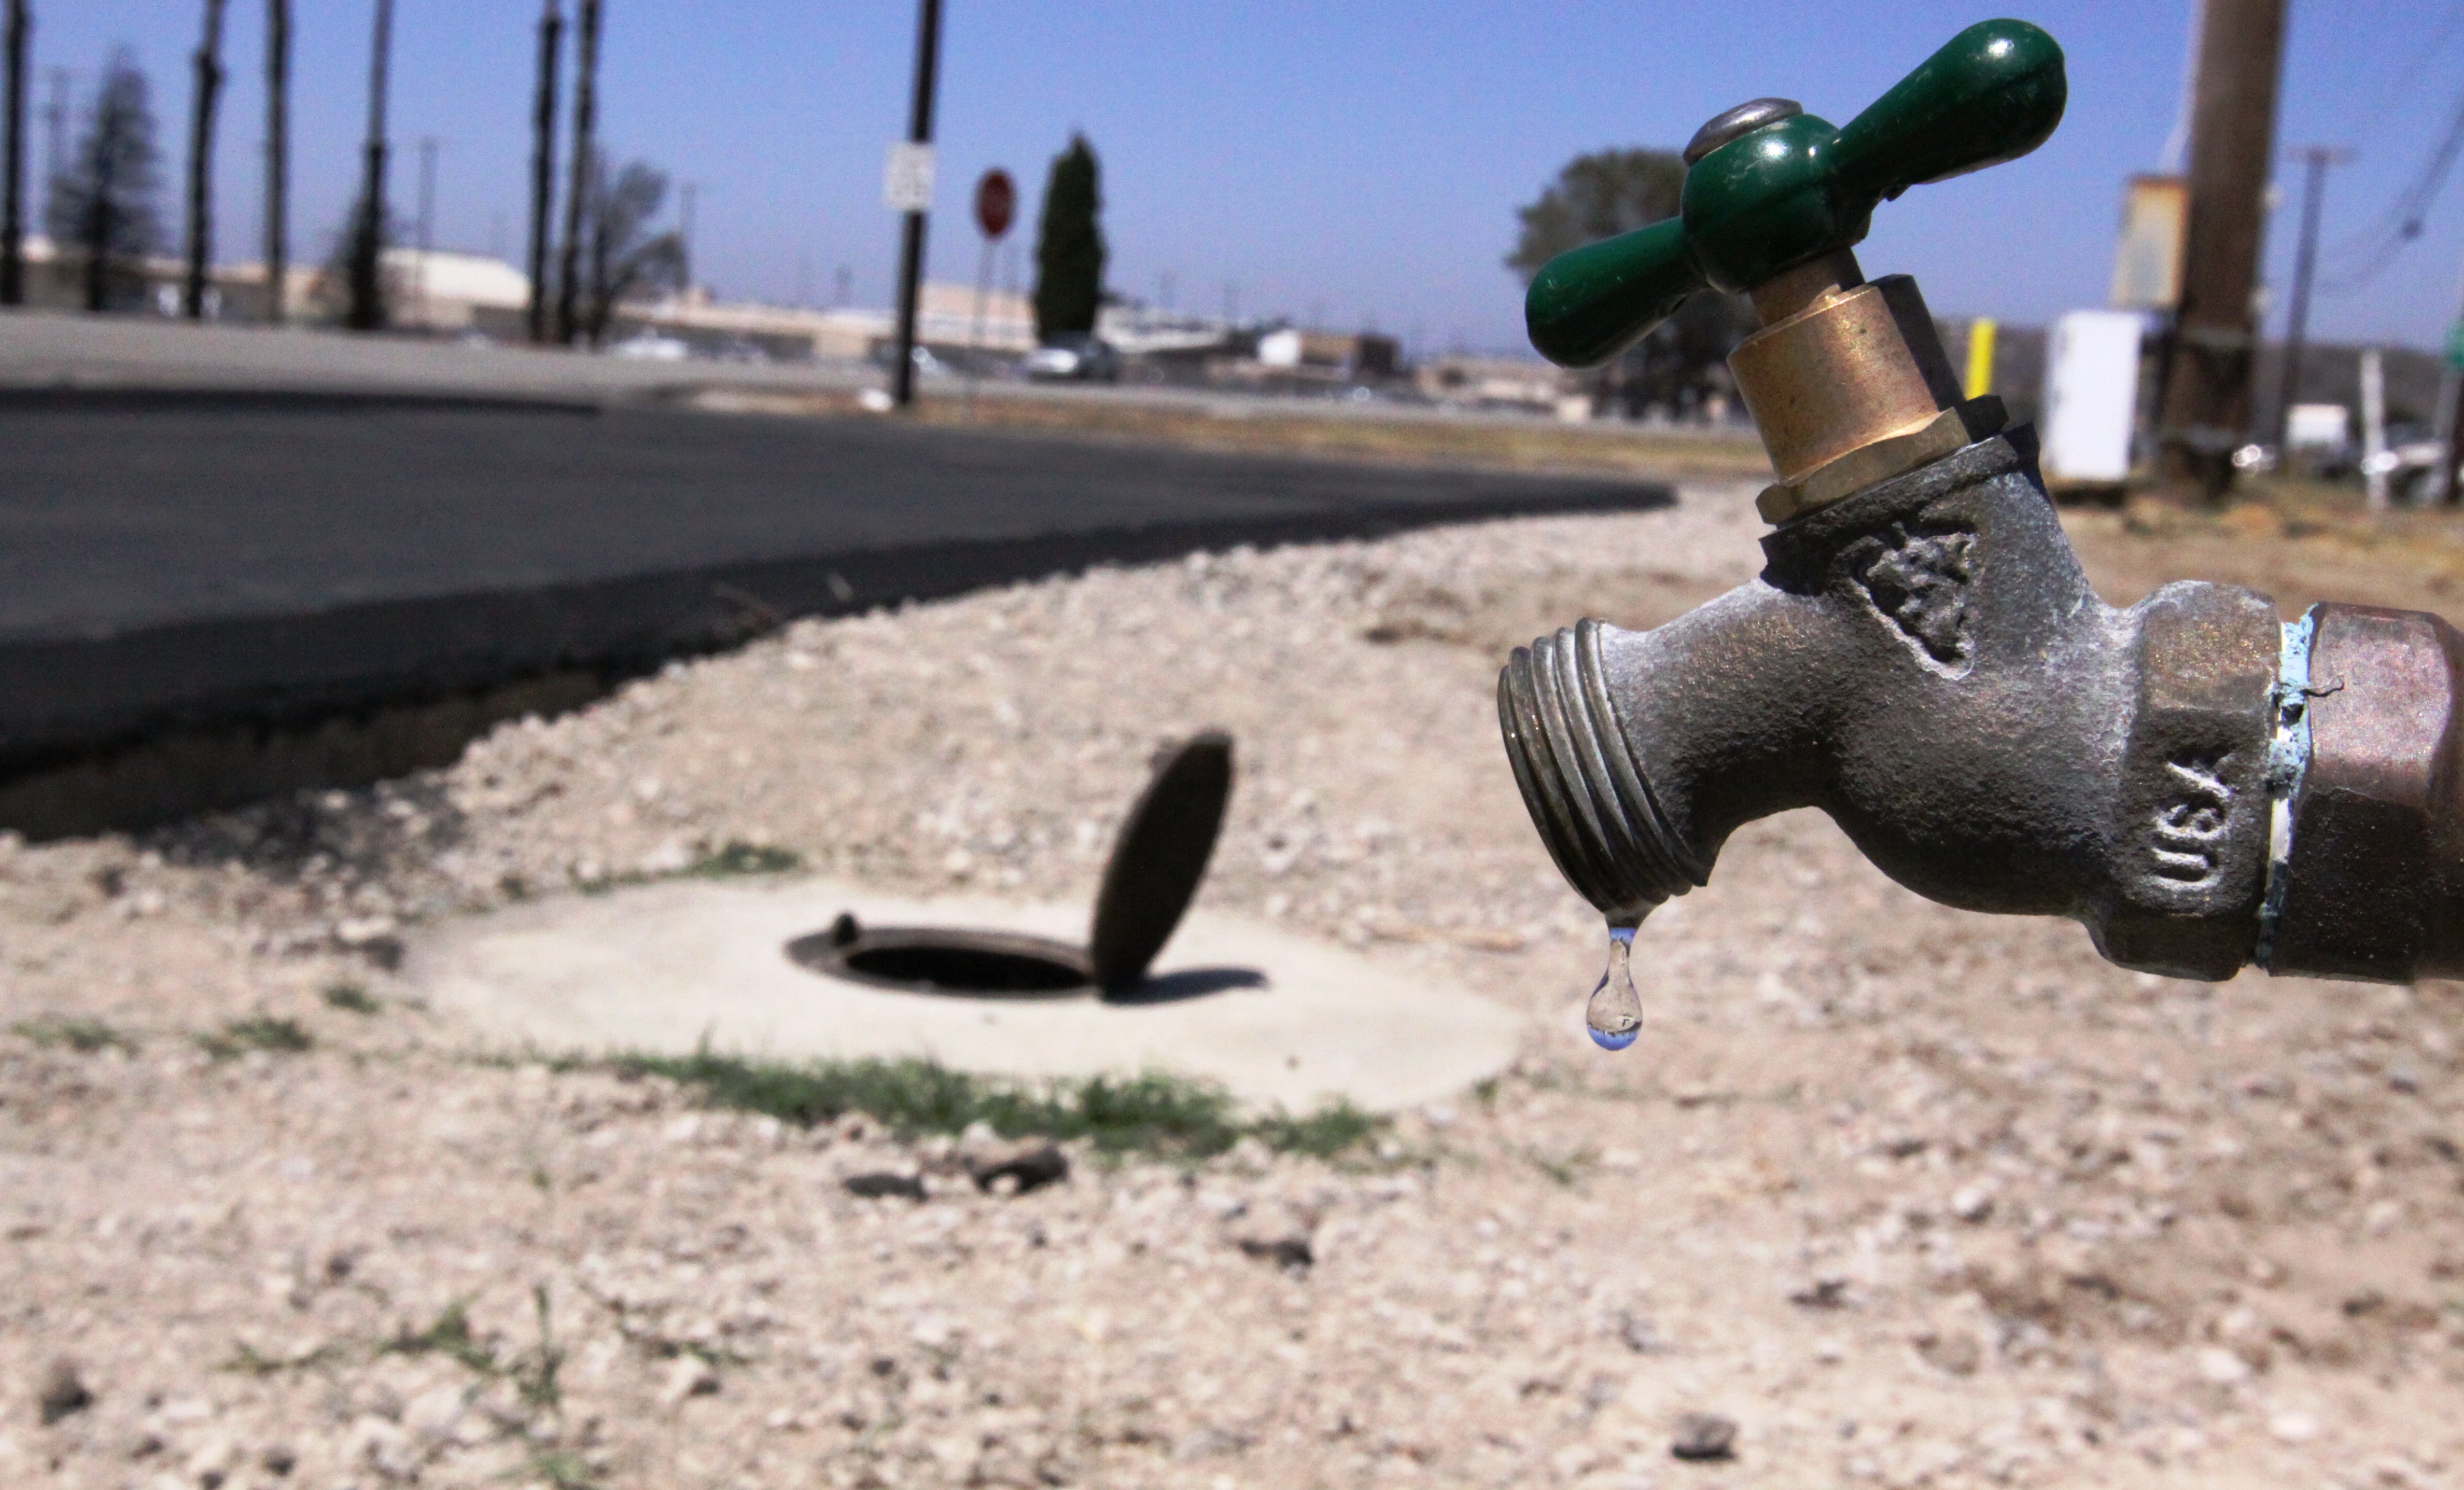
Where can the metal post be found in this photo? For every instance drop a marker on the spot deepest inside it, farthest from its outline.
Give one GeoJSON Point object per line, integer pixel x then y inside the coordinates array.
{"type": "Point", "coordinates": [209, 62]}
{"type": "Point", "coordinates": [543, 163]}
{"type": "Point", "coordinates": [2450, 404]}
{"type": "Point", "coordinates": [2206, 411]}
{"type": "Point", "coordinates": [2315, 161]}
{"type": "Point", "coordinates": [367, 288]}
{"type": "Point", "coordinates": [975, 327]}
{"type": "Point", "coordinates": [13, 160]}
{"type": "Point", "coordinates": [277, 156]}
{"type": "Point", "coordinates": [2374, 427]}
{"type": "Point", "coordinates": [910, 246]}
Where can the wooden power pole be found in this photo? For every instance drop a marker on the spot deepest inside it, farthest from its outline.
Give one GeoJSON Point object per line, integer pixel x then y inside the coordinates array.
{"type": "Point", "coordinates": [277, 156]}
{"type": "Point", "coordinates": [543, 162]}
{"type": "Point", "coordinates": [367, 248]}
{"type": "Point", "coordinates": [2213, 353]}
{"type": "Point", "coordinates": [208, 64]}
{"type": "Point", "coordinates": [12, 159]}
{"type": "Point", "coordinates": [576, 191]}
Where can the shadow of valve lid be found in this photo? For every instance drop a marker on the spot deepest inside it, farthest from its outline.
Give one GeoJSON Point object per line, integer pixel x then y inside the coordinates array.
{"type": "Point", "coordinates": [1157, 864]}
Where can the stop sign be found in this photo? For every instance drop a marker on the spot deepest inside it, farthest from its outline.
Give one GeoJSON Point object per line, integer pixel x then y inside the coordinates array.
{"type": "Point", "coordinates": [995, 202]}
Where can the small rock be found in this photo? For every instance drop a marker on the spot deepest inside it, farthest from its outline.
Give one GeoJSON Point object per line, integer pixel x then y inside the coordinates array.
{"type": "Point", "coordinates": [213, 1461]}
{"type": "Point", "coordinates": [2294, 1426]}
{"type": "Point", "coordinates": [1972, 1203]}
{"type": "Point", "coordinates": [1639, 1334]}
{"type": "Point", "coordinates": [689, 1376]}
{"type": "Point", "coordinates": [1290, 1252]}
{"type": "Point", "coordinates": [1956, 1352]}
{"type": "Point", "coordinates": [278, 1461]}
{"type": "Point", "coordinates": [1703, 1437]}
{"type": "Point", "coordinates": [63, 1393]}
{"type": "Point", "coordinates": [1823, 1293]}
{"type": "Point", "coordinates": [880, 1183]}
{"type": "Point", "coordinates": [1274, 1232]}
{"type": "Point", "coordinates": [1026, 1165]}
{"type": "Point", "coordinates": [2222, 1368]}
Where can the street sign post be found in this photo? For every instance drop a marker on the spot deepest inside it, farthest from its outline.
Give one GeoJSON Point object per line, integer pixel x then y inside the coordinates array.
{"type": "Point", "coordinates": [996, 205]}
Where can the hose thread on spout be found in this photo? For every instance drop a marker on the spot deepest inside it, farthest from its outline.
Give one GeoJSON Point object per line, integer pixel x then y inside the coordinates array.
{"type": "Point", "coordinates": [1579, 779]}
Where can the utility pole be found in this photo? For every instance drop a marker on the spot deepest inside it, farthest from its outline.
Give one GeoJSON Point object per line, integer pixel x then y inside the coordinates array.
{"type": "Point", "coordinates": [543, 162]}
{"type": "Point", "coordinates": [576, 191]}
{"type": "Point", "coordinates": [208, 65]}
{"type": "Point", "coordinates": [2314, 160]}
{"type": "Point", "coordinates": [12, 159]}
{"type": "Point", "coordinates": [910, 246]}
{"type": "Point", "coordinates": [367, 289]}
{"type": "Point", "coordinates": [684, 234]}
{"type": "Point", "coordinates": [277, 157]}
{"type": "Point", "coordinates": [55, 124]}
{"type": "Point", "coordinates": [427, 219]}
{"type": "Point", "coordinates": [2205, 413]}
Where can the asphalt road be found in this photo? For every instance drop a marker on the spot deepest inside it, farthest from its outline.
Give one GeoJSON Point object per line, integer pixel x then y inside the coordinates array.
{"type": "Point", "coordinates": [195, 563]}
{"type": "Point", "coordinates": [125, 515]}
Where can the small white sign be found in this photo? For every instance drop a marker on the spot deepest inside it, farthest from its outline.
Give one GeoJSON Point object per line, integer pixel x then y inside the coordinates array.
{"type": "Point", "coordinates": [907, 178]}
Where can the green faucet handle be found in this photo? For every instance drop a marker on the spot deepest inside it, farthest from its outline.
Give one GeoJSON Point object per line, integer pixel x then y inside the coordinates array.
{"type": "Point", "coordinates": [1769, 187]}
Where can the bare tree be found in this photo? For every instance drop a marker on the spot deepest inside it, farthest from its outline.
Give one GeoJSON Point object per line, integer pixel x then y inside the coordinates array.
{"type": "Point", "coordinates": [626, 258]}
{"type": "Point", "coordinates": [103, 202]}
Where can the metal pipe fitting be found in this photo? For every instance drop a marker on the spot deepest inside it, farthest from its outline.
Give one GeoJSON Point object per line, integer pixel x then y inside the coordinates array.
{"type": "Point", "coordinates": [1925, 662]}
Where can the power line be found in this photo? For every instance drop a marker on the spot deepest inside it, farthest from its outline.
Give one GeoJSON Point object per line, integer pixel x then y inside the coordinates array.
{"type": "Point", "coordinates": [2402, 222]}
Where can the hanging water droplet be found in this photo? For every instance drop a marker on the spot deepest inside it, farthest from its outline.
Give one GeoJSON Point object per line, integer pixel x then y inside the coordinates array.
{"type": "Point", "coordinates": [1615, 1014]}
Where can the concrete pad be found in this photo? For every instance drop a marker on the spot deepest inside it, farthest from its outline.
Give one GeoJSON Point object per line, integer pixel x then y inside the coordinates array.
{"type": "Point", "coordinates": [663, 967]}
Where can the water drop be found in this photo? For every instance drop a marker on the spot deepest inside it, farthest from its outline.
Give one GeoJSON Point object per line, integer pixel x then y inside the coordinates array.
{"type": "Point", "coordinates": [1614, 1015]}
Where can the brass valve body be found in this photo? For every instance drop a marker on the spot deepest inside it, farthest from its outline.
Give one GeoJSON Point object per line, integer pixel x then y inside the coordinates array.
{"type": "Point", "coordinates": [1849, 385]}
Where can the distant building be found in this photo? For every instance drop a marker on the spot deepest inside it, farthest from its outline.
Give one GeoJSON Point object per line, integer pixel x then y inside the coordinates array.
{"type": "Point", "coordinates": [1348, 354]}
{"type": "Point", "coordinates": [1495, 383]}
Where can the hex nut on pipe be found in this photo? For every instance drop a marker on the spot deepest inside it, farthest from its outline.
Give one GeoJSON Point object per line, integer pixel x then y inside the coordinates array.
{"type": "Point", "coordinates": [2376, 859]}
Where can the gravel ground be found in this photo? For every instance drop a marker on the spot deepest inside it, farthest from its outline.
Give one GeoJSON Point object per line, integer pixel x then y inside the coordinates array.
{"type": "Point", "coordinates": [1905, 1196]}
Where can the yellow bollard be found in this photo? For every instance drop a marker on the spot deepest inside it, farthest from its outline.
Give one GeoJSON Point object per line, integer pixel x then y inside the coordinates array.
{"type": "Point", "coordinates": [1980, 357]}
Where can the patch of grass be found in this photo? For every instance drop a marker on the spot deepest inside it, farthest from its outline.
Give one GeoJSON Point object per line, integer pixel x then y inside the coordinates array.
{"type": "Point", "coordinates": [735, 856]}
{"type": "Point", "coordinates": [1149, 1114]}
{"type": "Point", "coordinates": [562, 1471]}
{"type": "Point", "coordinates": [1566, 1169]}
{"type": "Point", "coordinates": [536, 1378]}
{"type": "Point", "coordinates": [350, 998]}
{"type": "Point", "coordinates": [256, 1032]}
{"type": "Point", "coordinates": [1322, 1134]}
{"type": "Point", "coordinates": [447, 1335]}
{"type": "Point", "coordinates": [85, 1036]}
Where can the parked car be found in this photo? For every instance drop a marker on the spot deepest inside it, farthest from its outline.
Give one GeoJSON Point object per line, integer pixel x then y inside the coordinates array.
{"type": "Point", "coordinates": [648, 346]}
{"type": "Point", "coordinates": [1074, 357]}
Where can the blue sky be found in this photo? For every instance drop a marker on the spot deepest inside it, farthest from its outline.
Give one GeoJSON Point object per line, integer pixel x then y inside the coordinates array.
{"type": "Point", "coordinates": [1361, 158]}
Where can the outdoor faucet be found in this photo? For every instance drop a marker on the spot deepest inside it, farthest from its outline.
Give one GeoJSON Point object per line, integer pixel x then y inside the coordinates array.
{"type": "Point", "coordinates": [1921, 656]}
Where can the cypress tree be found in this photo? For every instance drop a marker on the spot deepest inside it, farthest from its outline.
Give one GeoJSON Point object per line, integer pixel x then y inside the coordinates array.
{"type": "Point", "coordinates": [1069, 244]}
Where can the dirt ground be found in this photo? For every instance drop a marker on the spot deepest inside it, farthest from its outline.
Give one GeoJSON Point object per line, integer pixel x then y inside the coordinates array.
{"type": "Point", "coordinates": [1908, 1196]}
